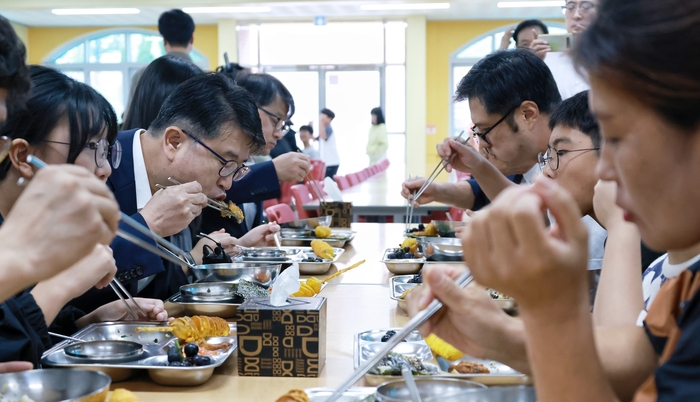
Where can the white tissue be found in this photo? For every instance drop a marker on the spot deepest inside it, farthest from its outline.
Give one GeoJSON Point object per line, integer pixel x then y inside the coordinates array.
{"type": "Point", "coordinates": [330, 187]}
{"type": "Point", "coordinates": [286, 284]}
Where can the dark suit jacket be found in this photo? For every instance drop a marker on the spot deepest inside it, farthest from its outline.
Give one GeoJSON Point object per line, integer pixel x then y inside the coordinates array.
{"type": "Point", "coordinates": [133, 262]}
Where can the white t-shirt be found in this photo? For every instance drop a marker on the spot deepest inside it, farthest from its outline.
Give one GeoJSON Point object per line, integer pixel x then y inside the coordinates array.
{"type": "Point", "coordinates": [328, 148]}
{"type": "Point", "coordinates": [568, 80]}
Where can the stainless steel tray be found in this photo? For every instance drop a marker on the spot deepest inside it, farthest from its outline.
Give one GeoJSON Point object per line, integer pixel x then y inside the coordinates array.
{"type": "Point", "coordinates": [356, 394]}
{"type": "Point", "coordinates": [257, 255]}
{"type": "Point", "coordinates": [500, 373]}
{"type": "Point", "coordinates": [154, 358]}
{"type": "Point", "coordinates": [294, 238]}
{"type": "Point", "coordinates": [367, 343]}
{"type": "Point", "coordinates": [263, 274]}
{"type": "Point", "coordinates": [307, 224]}
{"type": "Point", "coordinates": [402, 267]}
{"type": "Point", "coordinates": [223, 309]}
{"type": "Point", "coordinates": [317, 268]}
{"type": "Point", "coordinates": [399, 284]}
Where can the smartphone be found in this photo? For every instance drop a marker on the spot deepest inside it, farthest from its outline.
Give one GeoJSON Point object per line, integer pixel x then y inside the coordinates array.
{"type": "Point", "coordinates": [558, 42]}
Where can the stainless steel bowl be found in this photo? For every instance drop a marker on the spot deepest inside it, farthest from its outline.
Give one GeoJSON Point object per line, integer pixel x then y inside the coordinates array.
{"type": "Point", "coordinates": [430, 389]}
{"type": "Point", "coordinates": [261, 274]}
{"type": "Point", "coordinates": [105, 351]}
{"type": "Point", "coordinates": [56, 385]}
{"type": "Point", "coordinates": [520, 393]}
{"type": "Point", "coordinates": [265, 252]}
{"type": "Point", "coordinates": [309, 224]}
{"type": "Point", "coordinates": [441, 246]}
{"type": "Point", "coordinates": [208, 292]}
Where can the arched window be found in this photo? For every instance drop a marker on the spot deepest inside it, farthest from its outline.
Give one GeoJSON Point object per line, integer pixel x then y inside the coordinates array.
{"type": "Point", "coordinates": [106, 60]}
{"type": "Point", "coordinates": [462, 60]}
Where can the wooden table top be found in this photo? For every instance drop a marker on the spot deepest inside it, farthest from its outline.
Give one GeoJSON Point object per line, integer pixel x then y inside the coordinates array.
{"type": "Point", "coordinates": [357, 301]}
{"type": "Point", "coordinates": [380, 192]}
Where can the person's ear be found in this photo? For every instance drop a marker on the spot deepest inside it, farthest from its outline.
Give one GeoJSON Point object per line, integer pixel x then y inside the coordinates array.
{"type": "Point", "coordinates": [18, 157]}
{"type": "Point", "coordinates": [192, 40]}
{"type": "Point", "coordinates": [173, 142]}
{"type": "Point", "coordinates": [529, 112]}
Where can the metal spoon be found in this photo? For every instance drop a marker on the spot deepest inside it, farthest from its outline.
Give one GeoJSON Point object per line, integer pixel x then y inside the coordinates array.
{"type": "Point", "coordinates": [411, 384]}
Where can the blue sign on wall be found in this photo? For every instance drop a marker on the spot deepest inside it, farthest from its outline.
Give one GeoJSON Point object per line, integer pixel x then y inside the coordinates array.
{"type": "Point", "coordinates": [320, 21]}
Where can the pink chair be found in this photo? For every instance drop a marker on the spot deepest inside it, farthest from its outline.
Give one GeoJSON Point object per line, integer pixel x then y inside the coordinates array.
{"type": "Point", "coordinates": [280, 213]}
{"type": "Point", "coordinates": [268, 203]}
{"type": "Point", "coordinates": [319, 169]}
{"type": "Point", "coordinates": [301, 195]}
{"type": "Point", "coordinates": [317, 186]}
{"type": "Point", "coordinates": [342, 182]}
{"type": "Point", "coordinates": [353, 179]}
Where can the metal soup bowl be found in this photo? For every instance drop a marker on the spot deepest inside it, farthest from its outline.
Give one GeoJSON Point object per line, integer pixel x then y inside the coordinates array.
{"type": "Point", "coordinates": [309, 224]}
{"type": "Point", "coordinates": [430, 389]}
{"type": "Point", "coordinates": [520, 393]}
{"type": "Point", "coordinates": [261, 274]}
{"type": "Point", "coordinates": [56, 385]}
{"type": "Point", "coordinates": [104, 351]}
{"type": "Point", "coordinates": [208, 292]}
{"type": "Point", "coordinates": [441, 246]}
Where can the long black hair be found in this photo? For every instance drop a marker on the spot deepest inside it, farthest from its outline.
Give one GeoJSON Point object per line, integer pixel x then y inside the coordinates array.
{"type": "Point", "coordinates": [377, 111]}
{"type": "Point", "coordinates": [14, 76]}
{"type": "Point", "coordinates": [159, 80]}
{"type": "Point", "coordinates": [53, 97]}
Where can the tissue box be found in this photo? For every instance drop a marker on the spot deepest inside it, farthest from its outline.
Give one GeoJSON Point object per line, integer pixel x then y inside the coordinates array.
{"type": "Point", "coordinates": [287, 341]}
{"type": "Point", "coordinates": [340, 211]}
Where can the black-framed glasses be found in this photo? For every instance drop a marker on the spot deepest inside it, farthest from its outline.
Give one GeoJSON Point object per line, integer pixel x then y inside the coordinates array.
{"type": "Point", "coordinates": [551, 157]}
{"type": "Point", "coordinates": [483, 135]}
{"type": "Point", "coordinates": [584, 7]}
{"type": "Point", "coordinates": [228, 167]}
{"type": "Point", "coordinates": [280, 124]}
{"type": "Point", "coordinates": [103, 151]}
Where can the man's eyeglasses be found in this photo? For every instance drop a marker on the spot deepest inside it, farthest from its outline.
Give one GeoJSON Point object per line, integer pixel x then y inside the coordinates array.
{"type": "Point", "coordinates": [228, 167]}
{"type": "Point", "coordinates": [483, 135]}
{"type": "Point", "coordinates": [103, 151]}
{"type": "Point", "coordinates": [551, 157]}
{"type": "Point", "coordinates": [583, 7]}
{"type": "Point", "coordinates": [280, 125]}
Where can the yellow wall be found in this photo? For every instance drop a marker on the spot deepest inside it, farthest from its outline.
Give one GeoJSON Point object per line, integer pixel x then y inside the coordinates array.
{"type": "Point", "coordinates": [44, 40]}
{"type": "Point", "coordinates": [444, 38]}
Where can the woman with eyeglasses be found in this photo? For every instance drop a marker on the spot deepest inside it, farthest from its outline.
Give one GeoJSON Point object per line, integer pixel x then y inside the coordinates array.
{"type": "Point", "coordinates": [64, 121]}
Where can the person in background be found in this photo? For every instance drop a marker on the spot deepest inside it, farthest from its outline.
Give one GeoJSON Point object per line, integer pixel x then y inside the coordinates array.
{"type": "Point", "coordinates": [76, 126]}
{"type": "Point", "coordinates": [160, 78]}
{"type": "Point", "coordinates": [275, 106]}
{"type": "Point", "coordinates": [327, 143]}
{"type": "Point", "coordinates": [378, 138]}
{"type": "Point", "coordinates": [306, 135]}
{"type": "Point", "coordinates": [524, 33]}
{"type": "Point", "coordinates": [288, 143]}
{"type": "Point", "coordinates": [177, 29]}
{"type": "Point", "coordinates": [578, 15]}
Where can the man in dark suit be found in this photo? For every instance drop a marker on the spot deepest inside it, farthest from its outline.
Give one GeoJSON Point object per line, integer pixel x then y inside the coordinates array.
{"type": "Point", "coordinates": [275, 107]}
{"type": "Point", "coordinates": [203, 134]}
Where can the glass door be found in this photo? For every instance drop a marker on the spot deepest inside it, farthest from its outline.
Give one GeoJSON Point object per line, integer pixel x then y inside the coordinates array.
{"type": "Point", "coordinates": [304, 87]}
{"type": "Point", "coordinates": [351, 95]}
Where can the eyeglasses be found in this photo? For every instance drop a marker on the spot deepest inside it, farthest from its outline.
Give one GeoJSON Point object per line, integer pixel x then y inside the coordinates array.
{"type": "Point", "coordinates": [103, 151]}
{"type": "Point", "coordinates": [229, 167]}
{"type": "Point", "coordinates": [280, 125]}
{"type": "Point", "coordinates": [553, 159]}
{"type": "Point", "coordinates": [483, 135]}
{"type": "Point", "coordinates": [583, 7]}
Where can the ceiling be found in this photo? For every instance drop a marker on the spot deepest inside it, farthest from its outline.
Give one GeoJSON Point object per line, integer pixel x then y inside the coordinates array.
{"type": "Point", "coordinates": [38, 12]}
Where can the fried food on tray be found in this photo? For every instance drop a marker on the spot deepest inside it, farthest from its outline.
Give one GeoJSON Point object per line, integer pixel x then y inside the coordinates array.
{"type": "Point", "coordinates": [295, 395]}
{"type": "Point", "coordinates": [322, 232]}
{"type": "Point", "coordinates": [313, 285]}
{"type": "Point", "coordinates": [407, 291]}
{"type": "Point", "coordinates": [412, 245]}
{"type": "Point", "coordinates": [193, 329]}
{"type": "Point", "coordinates": [323, 249]}
{"type": "Point", "coordinates": [496, 295]}
{"type": "Point", "coordinates": [122, 395]}
{"type": "Point", "coordinates": [231, 210]}
{"type": "Point", "coordinates": [468, 368]}
{"type": "Point", "coordinates": [442, 348]}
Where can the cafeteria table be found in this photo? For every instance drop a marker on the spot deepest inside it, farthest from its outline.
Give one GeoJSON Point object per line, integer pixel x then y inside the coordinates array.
{"type": "Point", "coordinates": [357, 301]}
{"type": "Point", "coordinates": [380, 195]}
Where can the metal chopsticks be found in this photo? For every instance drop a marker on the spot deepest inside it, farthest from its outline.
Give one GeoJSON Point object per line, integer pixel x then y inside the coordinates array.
{"type": "Point", "coordinates": [440, 166]}
{"type": "Point", "coordinates": [415, 322]}
{"type": "Point", "coordinates": [176, 254]}
{"type": "Point", "coordinates": [128, 297]}
{"type": "Point", "coordinates": [410, 199]}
